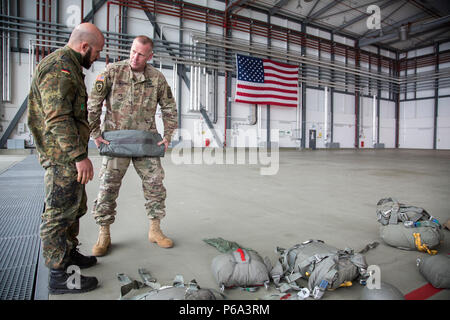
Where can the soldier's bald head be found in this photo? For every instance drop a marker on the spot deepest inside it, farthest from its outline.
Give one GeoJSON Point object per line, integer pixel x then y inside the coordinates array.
{"type": "Point", "coordinates": [86, 32]}
{"type": "Point", "coordinates": [87, 40]}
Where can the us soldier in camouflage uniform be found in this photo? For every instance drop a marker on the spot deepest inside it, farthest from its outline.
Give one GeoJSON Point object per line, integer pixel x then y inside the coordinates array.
{"type": "Point", "coordinates": [57, 117]}
{"type": "Point", "coordinates": [132, 89]}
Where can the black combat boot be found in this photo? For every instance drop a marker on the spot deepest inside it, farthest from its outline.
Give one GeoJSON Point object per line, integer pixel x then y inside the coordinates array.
{"type": "Point", "coordinates": [58, 283]}
{"type": "Point", "coordinates": [76, 258]}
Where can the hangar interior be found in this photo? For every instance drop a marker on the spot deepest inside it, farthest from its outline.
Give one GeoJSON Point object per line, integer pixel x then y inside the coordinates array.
{"type": "Point", "coordinates": [372, 121]}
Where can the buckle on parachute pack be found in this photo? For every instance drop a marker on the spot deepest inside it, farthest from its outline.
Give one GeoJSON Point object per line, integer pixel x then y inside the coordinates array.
{"type": "Point", "coordinates": [320, 289]}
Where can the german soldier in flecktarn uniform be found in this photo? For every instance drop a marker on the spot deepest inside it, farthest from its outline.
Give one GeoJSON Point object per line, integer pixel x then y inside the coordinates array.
{"type": "Point", "coordinates": [57, 117]}
{"type": "Point", "coordinates": [131, 89]}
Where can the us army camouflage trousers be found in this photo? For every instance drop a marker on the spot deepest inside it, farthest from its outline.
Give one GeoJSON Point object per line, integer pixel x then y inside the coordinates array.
{"type": "Point", "coordinates": [65, 204]}
{"type": "Point", "coordinates": [113, 170]}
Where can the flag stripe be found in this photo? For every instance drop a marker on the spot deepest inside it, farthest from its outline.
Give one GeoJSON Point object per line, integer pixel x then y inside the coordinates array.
{"type": "Point", "coordinates": [273, 102]}
{"type": "Point", "coordinates": [290, 85]}
{"type": "Point", "coordinates": [243, 87]}
{"type": "Point", "coordinates": [252, 95]}
{"type": "Point", "coordinates": [292, 80]}
{"type": "Point", "coordinates": [268, 91]}
{"type": "Point", "coordinates": [279, 64]}
{"type": "Point", "coordinates": [268, 67]}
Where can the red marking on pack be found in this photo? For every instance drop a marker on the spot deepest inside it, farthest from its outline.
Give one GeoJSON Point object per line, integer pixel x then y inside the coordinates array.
{"type": "Point", "coordinates": [242, 254]}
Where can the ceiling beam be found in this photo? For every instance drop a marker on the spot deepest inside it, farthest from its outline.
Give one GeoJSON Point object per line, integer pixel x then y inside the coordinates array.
{"type": "Point", "coordinates": [412, 19]}
{"type": "Point", "coordinates": [440, 7]}
{"type": "Point", "coordinates": [363, 16]}
{"type": "Point", "coordinates": [412, 30]}
{"type": "Point", "coordinates": [323, 10]}
{"type": "Point", "coordinates": [95, 8]}
{"type": "Point", "coordinates": [312, 9]}
{"type": "Point", "coordinates": [234, 4]}
{"type": "Point", "coordinates": [277, 7]}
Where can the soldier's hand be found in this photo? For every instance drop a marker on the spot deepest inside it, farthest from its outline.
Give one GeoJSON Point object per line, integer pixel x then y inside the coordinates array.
{"type": "Point", "coordinates": [85, 171]}
{"type": "Point", "coordinates": [166, 144]}
{"type": "Point", "coordinates": [98, 141]}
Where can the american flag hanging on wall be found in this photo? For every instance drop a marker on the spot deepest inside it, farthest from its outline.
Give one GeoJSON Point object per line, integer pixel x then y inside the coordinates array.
{"type": "Point", "coordinates": [263, 81]}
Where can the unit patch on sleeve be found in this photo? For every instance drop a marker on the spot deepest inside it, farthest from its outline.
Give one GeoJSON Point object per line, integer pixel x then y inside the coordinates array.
{"type": "Point", "coordinates": [100, 83]}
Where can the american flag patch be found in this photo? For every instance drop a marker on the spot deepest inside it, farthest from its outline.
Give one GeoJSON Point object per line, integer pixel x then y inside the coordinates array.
{"type": "Point", "coordinates": [100, 78]}
{"type": "Point", "coordinates": [65, 71]}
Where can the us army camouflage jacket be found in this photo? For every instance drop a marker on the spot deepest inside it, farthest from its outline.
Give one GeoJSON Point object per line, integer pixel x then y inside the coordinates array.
{"type": "Point", "coordinates": [131, 103]}
{"type": "Point", "coordinates": [57, 113]}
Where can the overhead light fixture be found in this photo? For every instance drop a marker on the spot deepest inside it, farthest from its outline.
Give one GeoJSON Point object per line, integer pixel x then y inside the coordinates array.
{"type": "Point", "coordinates": [403, 32]}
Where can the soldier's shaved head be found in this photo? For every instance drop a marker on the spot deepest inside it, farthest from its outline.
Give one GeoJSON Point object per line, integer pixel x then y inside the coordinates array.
{"type": "Point", "coordinates": [88, 40]}
{"type": "Point", "coordinates": [86, 32]}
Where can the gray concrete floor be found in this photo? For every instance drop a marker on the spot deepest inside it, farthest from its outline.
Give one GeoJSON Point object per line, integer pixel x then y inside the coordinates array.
{"type": "Point", "coordinates": [324, 194]}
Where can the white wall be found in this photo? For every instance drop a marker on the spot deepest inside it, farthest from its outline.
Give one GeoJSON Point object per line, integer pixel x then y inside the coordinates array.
{"type": "Point", "coordinates": [443, 124]}
{"type": "Point", "coordinates": [416, 124]}
{"type": "Point", "coordinates": [344, 120]}
{"type": "Point", "coordinates": [416, 117]}
{"type": "Point", "coordinates": [387, 123]}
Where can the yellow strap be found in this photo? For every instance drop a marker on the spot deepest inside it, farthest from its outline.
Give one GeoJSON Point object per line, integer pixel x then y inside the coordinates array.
{"type": "Point", "coordinates": [422, 247]}
{"type": "Point", "coordinates": [346, 284]}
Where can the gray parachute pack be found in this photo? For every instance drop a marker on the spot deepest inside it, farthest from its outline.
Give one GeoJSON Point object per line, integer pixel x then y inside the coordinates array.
{"type": "Point", "coordinates": [436, 270]}
{"type": "Point", "coordinates": [408, 227]}
{"type": "Point", "coordinates": [132, 143]}
{"type": "Point", "coordinates": [179, 290]}
{"type": "Point", "coordinates": [386, 291]}
{"type": "Point", "coordinates": [324, 267]}
{"type": "Point", "coordinates": [238, 267]}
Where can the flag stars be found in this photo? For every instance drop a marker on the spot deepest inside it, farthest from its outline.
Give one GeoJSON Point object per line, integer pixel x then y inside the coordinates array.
{"type": "Point", "coordinates": [250, 69]}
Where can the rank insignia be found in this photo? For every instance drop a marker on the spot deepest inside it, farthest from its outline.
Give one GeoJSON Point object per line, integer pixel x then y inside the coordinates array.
{"type": "Point", "coordinates": [169, 93]}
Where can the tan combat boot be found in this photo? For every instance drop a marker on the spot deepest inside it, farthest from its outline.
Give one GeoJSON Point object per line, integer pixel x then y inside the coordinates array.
{"type": "Point", "coordinates": [155, 235]}
{"type": "Point", "coordinates": [103, 242]}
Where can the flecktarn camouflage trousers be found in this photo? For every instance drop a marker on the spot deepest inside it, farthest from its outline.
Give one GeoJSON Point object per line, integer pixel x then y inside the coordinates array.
{"type": "Point", "coordinates": [113, 170]}
{"type": "Point", "coordinates": [65, 204]}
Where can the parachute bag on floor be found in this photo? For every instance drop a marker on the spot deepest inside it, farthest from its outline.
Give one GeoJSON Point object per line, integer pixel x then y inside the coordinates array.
{"type": "Point", "coordinates": [177, 291]}
{"type": "Point", "coordinates": [436, 269]}
{"type": "Point", "coordinates": [323, 266]}
{"type": "Point", "coordinates": [240, 268]}
{"type": "Point", "coordinates": [408, 227]}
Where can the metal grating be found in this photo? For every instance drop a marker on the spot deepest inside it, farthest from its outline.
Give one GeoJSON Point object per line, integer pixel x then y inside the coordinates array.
{"type": "Point", "coordinates": [21, 205]}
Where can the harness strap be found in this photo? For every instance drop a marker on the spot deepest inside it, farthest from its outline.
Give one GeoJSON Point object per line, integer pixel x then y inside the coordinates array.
{"type": "Point", "coordinates": [372, 245]}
